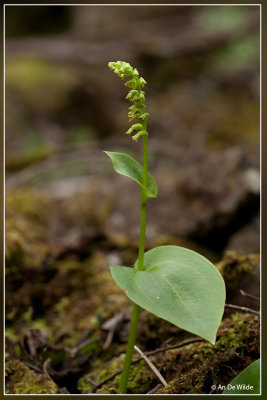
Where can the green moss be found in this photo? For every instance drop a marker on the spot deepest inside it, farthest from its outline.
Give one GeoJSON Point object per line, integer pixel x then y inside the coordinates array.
{"type": "Point", "coordinates": [91, 348]}
{"type": "Point", "coordinates": [88, 382]}
{"type": "Point", "coordinates": [77, 294]}
{"type": "Point", "coordinates": [188, 370]}
{"type": "Point", "coordinates": [140, 378]}
{"type": "Point", "coordinates": [32, 77]}
{"type": "Point", "coordinates": [235, 264]}
{"type": "Point", "coordinates": [22, 380]}
{"type": "Point", "coordinates": [28, 218]}
{"type": "Point", "coordinates": [237, 345]}
{"type": "Point", "coordinates": [14, 252]}
{"type": "Point", "coordinates": [72, 297]}
{"type": "Point", "coordinates": [31, 203]}
{"type": "Point", "coordinates": [237, 332]}
{"type": "Point", "coordinates": [70, 294]}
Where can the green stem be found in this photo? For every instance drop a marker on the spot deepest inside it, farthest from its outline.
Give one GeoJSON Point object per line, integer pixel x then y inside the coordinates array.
{"type": "Point", "coordinates": [136, 308]}
{"type": "Point", "coordinates": [143, 210]}
{"type": "Point", "coordinates": [130, 347]}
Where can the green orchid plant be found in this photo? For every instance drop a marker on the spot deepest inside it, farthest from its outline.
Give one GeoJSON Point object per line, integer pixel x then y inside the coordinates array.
{"type": "Point", "coordinates": [172, 282]}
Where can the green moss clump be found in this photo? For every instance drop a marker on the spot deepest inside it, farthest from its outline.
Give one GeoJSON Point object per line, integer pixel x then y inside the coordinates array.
{"type": "Point", "coordinates": [28, 216]}
{"type": "Point", "coordinates": [31, 203]}
{"type": "Point", "coordinates": [22, 380]}
{"type": "Point", "coordinates": [87, 383]}
{"type": "Point", "coordinates": [201, 364]}
{"type": "Point", "coordinates": [140, 378]}
{"type": "Point", "coordinates": [235, 264]}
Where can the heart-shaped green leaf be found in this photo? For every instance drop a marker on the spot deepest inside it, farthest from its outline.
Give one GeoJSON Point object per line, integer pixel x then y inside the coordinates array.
{"type": "Point", "coordinates": [178, 285]}
{"type": "Point", "coordinates": [249, 377]}
{"type": "Point", "coordinates": [128, 166]}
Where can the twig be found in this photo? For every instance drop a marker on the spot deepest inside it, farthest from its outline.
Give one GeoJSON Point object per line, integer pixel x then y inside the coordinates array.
{"type": "Point", "coordinates": [111, 326]}
{"type": "Point", "coordinates": [85, 343]}
{"type": "Point", "coordinates": [214, 385]}
{"type": "Point", "coordinates": [109, 378]}
{"type": "Point", "coordinates": [249, 295]}
{"type": "Point", "coordinates": [151, 366]}
{"type": "Point", "coordinates": [170, 339]}
{"type": "Point", "coordinates": [109, 339]}
{"type": "Point", "coordinates": [244, 309]}
{"type": "Point", "coordinates": [174, 346]}
{"type": "Point", "coordinates": [64, 390]}
{"type": "Point", "coordinates": [73, 350]}
{"type": "Point", "coordinates": [65, 372]}
{"type": "Point", "coordinates": [45, 367]}
{"type": "Point", "coordinates": [159, 386]}
{"type": "Point", "coordinates": [150, 353]}
{"type": "Point", "coordinates": [92, 383]}
{"type": "Point", "coordinates": [33, 367]}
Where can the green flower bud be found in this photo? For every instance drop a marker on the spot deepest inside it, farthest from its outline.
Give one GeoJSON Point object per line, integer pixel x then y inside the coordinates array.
{"type": "Point", "coordinates": [134, 127]}
{"type": "Point", "coordinates": [138, 135]}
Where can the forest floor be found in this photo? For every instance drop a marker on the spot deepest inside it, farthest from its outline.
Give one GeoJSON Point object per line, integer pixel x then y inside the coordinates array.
{"type": "Point", "coordinates": [68, 322]}
{"type": "Point", "coordinates": [69, 216]}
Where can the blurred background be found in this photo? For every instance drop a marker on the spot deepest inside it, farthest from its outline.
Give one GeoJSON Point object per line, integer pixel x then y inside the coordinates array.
{"type": "Point", "coordinates": [63, 106]}
{"type": "Point", "coordinates": [69, 215]}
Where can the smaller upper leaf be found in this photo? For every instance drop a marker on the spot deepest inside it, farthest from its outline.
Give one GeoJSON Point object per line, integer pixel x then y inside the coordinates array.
{"type": "Point", "coordinates": [126, 165]}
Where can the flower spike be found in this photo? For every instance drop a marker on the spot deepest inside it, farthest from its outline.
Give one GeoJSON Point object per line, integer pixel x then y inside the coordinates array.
{"type": "Point", "coordinates": [136, 95]}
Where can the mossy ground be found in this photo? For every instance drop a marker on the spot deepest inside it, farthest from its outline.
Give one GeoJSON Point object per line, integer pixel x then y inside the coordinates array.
{"type": "Point", "coordinates": [192, 369]}
{"type": "Point", "coordinates": [22, 380]}
{"type": "Point", "coordinates": [202, 365]}
{"type": "Point", "coordinates": [65, 294]}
